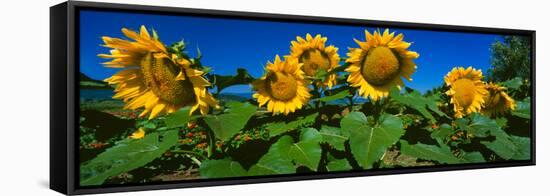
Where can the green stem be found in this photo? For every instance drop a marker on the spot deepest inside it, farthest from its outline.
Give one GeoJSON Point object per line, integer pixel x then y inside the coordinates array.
{"type": "Point", "coordinates": [211, 143]}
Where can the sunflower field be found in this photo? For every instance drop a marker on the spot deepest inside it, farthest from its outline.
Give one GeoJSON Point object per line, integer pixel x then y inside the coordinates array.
{"type": "Point", "coordinates": [311, 111]}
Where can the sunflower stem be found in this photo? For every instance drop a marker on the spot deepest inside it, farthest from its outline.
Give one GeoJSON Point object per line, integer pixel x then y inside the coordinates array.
{"type": "Point", "coordinates": [211, 143]}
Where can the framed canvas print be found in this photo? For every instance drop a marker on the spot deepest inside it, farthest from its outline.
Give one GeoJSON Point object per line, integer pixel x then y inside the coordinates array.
{"type": "Point", "coordinates": [149, 97]}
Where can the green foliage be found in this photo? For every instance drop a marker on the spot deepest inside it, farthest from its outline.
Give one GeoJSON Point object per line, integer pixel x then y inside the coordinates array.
{"type": "Point", "coordinates": [222, 82]}
{"type": "Point", "coordinates": [510, 58]}
{"type": "Point", "coordinates": [339, 165]}
{"type": "Point", "coordinates": [369, 141]}
{"type": "Point", "coordinates": [337, 96]}
{"type": "Point", "coordinates": [334, 136]}
{"type": "Point", "coordinates": [233, 119]}
{"type": "Point", "coordinates": [221, 169]}
{"type": "Point", "coordinates": [307, 151]}
{"type": "Point", "coordinates": [279, 128]}
{"type": "Point", "coordinates": [494, 138]}
{"type": "Point", "coordinates": [418, 102]}
{"type": "Point", "coordinates": [178, 118]}
{"type": "Point", "coordinates": [513, 84]}
{"type": "Point", "coordinates": [524, 147]}
{"type": "Point", "coordinates": [523, 108]}
{"type": "Point", "coordinates": [442, 133]}
{"type": "Point", "coordinates": [276, 160]}
{"type": "Point", "coordinates": [125, 156]}
{"type": "Point", "coordinates": [441, 154]}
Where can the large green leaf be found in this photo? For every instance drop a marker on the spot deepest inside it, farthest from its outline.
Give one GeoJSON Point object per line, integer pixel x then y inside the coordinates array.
{"type": "Point", "coordinates": [125, 156]}
{"type": "Point", "coordinates": [369, 142]}
{"type": "Point", "coordinates": [481, 125]}
{"type": "Point", "coordinates": [523, 108]}
{"type": "Point", "coordinates": [502, 145]}
{"type": "Point", "coordinates": [337, 96]}
{"type": "Point", "coordinates": [178, 118]}
{"type": "Point", "coordinates": [334, 136]}
{"type": "Point", "coordinates": [221, 169]}
{"type": "Point", "coordinates": [276, 160]}
{"type": "Point", "coordinates": [416, 101]}
{"type": "Point", "coordinates": [474, 157]}
{"type": "Point", "coordinates": [279, 128]}
{"type": "Point", "coordinates": [338, 165]}
{"type": "Point", "coordinates": [523, 147]}
{"type": "Point", "coordinates": [222, 82]}
{"type": "Point", "coordinates": [513, 83]}
{"type": "Point", "coordinates": [307, 151]}
{"type": "Point", "coordinates": [232, 121]}
{"type": "Point", "coordinates": [429, 152]}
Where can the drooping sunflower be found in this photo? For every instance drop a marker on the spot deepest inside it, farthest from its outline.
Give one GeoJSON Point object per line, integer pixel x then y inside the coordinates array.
{"type": "Point", "coordinates": [379, 64]}
{"type": "Point", "coordinates": [315, 56]}
{"type": "Point", "coordinates": [497, 100]}
{"type": "Point", "coordinates": [467, 90]}
{"type": "Point", "coordinates": [283, 87]}
{"type": "Point", "coordinates": [152, 78]}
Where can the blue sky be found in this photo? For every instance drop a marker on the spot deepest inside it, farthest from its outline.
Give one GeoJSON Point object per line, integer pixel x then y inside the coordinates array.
{"type": "Point", "coordinates": [227, 44]}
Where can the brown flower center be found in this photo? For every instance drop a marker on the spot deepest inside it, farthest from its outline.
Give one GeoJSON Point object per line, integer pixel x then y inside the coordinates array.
{"type": "Point", "coordinates": [160, 76]}
{"type": "Point", "coordinates": [465, 91]}
{"type": "Point", "coordinates": [281, 86]}
{"type": "Point", "coordinates": [314, 60]}
{"type": "Point", "coordinates": [380, 66]}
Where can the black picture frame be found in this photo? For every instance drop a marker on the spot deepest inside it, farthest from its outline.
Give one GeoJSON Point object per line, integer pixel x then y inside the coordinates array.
{"type": "Point", "coordinates": [64, 93]}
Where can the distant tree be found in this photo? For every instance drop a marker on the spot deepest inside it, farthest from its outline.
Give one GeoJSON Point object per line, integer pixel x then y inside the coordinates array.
{"type": "Point", "coordinates": [510, 59]}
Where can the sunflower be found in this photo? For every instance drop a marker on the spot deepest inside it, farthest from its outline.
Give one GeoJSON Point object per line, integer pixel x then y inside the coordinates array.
{"type": "Point", "coordinates": [152, 78]}
{"type": "Point", "coordinates": [497, 100]}
{"type": "Point", "coordinates": [283, 87]}
{"type": "Point", "coordinates": [467, 90]}
{"type": "Point", "coordinates": [379, 63]}
{"type": "Point", "coordinates": [314, 56]}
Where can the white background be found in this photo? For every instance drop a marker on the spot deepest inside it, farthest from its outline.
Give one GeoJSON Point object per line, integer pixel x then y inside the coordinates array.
{"type": "Point", "coordinates": [24, 99]}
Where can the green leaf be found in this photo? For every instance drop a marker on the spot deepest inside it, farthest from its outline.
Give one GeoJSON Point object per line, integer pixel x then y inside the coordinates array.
{"type": "Point", "coordinates": [514, 83]}
{"type": "Point", "coordinates": [222, 82]}
{"type": "Point", "coordinates": [232, 121]}
{"type": "Point", "coordinates": [442, 133]}
{"type": "Point", "coordinates": [502, 145]}
{"type": "Point", "coordinates": [334, 136]}
{"type": "Point", "coordinates": [369, 143]}
{"type": "Point", "coordinates": [481, 125]}
{"type": "Point", "coordinates": [339, 165]}
{"type": "Point", "coordinates": [126, 155]}
{"type": "Point", "coordinates": [279, 128]}
{"type": "Point", "coordinates": [221, 169]}
{"type": "Point", "coordinates": [474, 157]}
{"type": "Point", "coordinates": [416, 101]}
{"type": "Point", "coordinates": [502, 122]}
{"type": "Point", "coordinates": [307, 152]}
{"type": "Point", "coordinates": [523, 109]}
{"type": "Point", "coordinates": [429, 152]}
{"type": "Point", "coordinates": [276, 160]}
{"type": "Point", "coordinates": [524, 147]}
{"type": "Point", "coordinates": [337, 96]}
{"type": "Point", "coordinates": [178, 118]}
